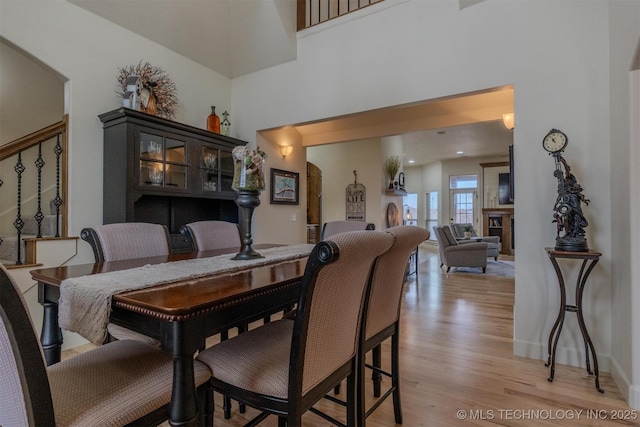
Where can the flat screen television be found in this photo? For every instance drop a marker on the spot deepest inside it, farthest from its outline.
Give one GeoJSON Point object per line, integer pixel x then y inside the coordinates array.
{"type": "Point", "coordinates": [504, 189]}
{"type": "Point", "coordinates": [511, 174]}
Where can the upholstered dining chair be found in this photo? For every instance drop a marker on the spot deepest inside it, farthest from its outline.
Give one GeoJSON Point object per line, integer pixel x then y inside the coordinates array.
{"type": "Point", "coordinates": [286, 366]}
{"type": "Point", "coordinates": [210, 235]}
{"type": "Point", "coordinates": [382, 320]}
{"type": "Point", "coordinates": [114, 242]}
{"type": "Point", "coordinates": [334, 227]}
{"type": "Point", "coordinates": [453, 254]}
{"type": "Point", "coordinates": [120, 383]}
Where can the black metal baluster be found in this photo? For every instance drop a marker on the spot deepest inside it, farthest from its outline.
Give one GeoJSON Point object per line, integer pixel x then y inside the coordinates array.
{"type": "Point", "coordinates": [19, 223]}
{"type": "Point", "coordinates": [57, 201]}
{"type": "Point", "coordinates": [39, 165]}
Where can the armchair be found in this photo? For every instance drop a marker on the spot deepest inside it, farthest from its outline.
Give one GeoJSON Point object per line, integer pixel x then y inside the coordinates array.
{"type": "Point", "coordinates": [493, 247]}
{"type": "Point", "coordinates": [453, 254]}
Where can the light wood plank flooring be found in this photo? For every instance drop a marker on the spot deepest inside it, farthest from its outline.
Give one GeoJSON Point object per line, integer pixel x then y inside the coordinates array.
{"type": "Point", "coordinates": [457, 362]}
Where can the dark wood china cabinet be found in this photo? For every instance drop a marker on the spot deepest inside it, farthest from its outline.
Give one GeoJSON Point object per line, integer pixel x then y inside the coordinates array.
{"type": "Point", "coordinates": [160, 171]}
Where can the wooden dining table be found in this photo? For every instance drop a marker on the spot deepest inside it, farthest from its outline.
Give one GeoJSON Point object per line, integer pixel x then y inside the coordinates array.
{"type": "Point", "coordinates": [182, 314]}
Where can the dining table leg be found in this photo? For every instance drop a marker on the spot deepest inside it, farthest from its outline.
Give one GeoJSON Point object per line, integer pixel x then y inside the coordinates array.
{"type": "Point", "coordinates": [51, 334]}
{"type": "Point", "coordinates": [184, 341]}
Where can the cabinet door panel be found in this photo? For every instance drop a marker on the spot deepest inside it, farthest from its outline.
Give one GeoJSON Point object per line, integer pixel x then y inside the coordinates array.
{"type": "Point", "coordinates": [151, 146]}
{"type": "Point", "coordinates": [209, 170]}
{"type": "Point", "coordinates": [226, 171]}
{"type": "Point", "coordinates": [151, 172]}
{"type": "Point", "coordinates": [175, 151]}
{"type": "Point", "coordinates": [163, 161]}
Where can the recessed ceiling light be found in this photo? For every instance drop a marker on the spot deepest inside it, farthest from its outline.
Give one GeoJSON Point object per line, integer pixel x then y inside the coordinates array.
{"type": "Point", "coordinates": [412, 161]}
{"type": "Point", "coordinates": [459, 152]}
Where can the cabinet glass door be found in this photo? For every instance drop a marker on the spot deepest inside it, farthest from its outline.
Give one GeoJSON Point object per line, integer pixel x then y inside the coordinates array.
{"type": "Point", "coordinates": [163, 162]}
{"type": "Point", "coordinates": [209, 168]}
{"type": "Point", "coordinates": [226, 171]}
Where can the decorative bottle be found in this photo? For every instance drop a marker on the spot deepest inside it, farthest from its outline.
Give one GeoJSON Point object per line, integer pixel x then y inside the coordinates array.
{"type": "Point", "coordinates": [213, 121]}
{"type": "Point", "coordinates": [152, 108]}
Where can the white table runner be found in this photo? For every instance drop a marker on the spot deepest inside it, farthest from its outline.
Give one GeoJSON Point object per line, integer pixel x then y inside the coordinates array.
{"type": "Point", "coordinates": [85, 302]}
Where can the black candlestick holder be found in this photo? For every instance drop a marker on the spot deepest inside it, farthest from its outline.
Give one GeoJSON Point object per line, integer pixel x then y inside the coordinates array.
{"type": "Point", "coordinates": [248, 200]}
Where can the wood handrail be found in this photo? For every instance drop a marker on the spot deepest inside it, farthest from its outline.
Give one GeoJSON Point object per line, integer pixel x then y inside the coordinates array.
{"type": "Point", "coordinates": [12, 148]}
{"type": "Point", "coordinates": [33, 139]}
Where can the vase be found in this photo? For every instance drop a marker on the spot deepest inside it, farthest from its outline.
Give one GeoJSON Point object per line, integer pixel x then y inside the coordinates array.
{"type": "Point", "coordinates": [152, 107]}
{"type": "Point", "coordinates": [213, 121]}
{"type": "Point", "coordinates": [248, 169]}
{"type": "Point", "coordinates": [248, 181]}
{"type": "Point", "coordinates": [391, 184]}
{"type": "Point", "coordinates": [247, 200]}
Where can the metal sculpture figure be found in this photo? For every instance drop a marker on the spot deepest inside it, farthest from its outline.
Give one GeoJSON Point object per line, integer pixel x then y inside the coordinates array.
{"type": "Point", "coordinates": [568, 211]}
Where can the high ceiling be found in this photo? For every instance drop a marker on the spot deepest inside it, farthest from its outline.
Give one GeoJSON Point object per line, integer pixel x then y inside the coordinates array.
{"type": "Point", "coordinates": [237, 37]}
{"type": "Point", "coordinates": [232, 37]}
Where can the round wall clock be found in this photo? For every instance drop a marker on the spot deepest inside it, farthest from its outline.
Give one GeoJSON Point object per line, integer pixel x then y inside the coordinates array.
{"type": "Point", "coordinates": [555, 141]}
{"type": "Point", "coordinates": [392, 215]}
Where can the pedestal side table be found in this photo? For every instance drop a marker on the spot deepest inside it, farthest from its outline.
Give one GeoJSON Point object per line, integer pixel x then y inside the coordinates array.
{"type": "Point", "coordinates": [589, 260]}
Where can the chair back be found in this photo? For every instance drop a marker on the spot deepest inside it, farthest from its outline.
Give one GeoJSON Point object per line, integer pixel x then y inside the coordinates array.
{"type": "Point", "coordinates": [443, 240]}
{"type": "Point", "coordinates": [334, 227]}
{"type": "Point", "coordinates": [388, 278]}
{"type": "Point", "coordinates": [113, 242]}
{"type": "Point", "coordinates": [326, 328]}
{"type": "Point", "coordinates": [210, 235]}
{"type": "Point", "coordinates": [458, 230]}
{"type": "Point", "coordinates": [25, 399]}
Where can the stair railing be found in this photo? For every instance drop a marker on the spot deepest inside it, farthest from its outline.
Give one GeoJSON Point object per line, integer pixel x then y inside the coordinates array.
{"type": "Point", "coordinates": [314, 12]}
{"type": "Point", "coordinates": [46, 142]}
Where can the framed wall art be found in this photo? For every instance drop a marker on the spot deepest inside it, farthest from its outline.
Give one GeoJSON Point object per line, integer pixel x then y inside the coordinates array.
{"type": "Point", "coordinates": [285, 187]}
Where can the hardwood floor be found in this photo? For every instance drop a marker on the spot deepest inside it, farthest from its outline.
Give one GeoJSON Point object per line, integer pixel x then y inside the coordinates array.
{"type": "Point", "coordinates": [458, 368]}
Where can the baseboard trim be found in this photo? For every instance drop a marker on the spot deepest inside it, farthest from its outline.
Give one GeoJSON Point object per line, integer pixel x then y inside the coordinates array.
{"type": "Point", "coordinates": [564, 356]}
{"type": "Point", "coordinates": [630, 392]}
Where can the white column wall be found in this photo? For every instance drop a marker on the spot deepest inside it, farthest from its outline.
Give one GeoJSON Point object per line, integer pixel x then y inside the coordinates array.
{"type": "Point", "coordinates": [421, 50]}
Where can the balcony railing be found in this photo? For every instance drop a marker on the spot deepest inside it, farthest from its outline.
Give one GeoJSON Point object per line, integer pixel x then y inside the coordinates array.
{"type": "Point", "coordinates": [314, 12]}
{"type": "Point", "coordinates": [32, 168]}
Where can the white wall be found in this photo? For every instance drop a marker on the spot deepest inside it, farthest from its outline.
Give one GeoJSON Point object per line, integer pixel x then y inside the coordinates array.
{"type": "Point", "coordinates": [337, 162]}
{"type": "Point", "coordinates": [625, 360]}
{"type": "Point", "coordinates": [33, 98]}
{"type": "Point", "coordinates": [35, 92]}
{"type": "Point", "coordinates": [87, 51]}
{"type": "Point", "coordinates": [632, 378]}
{"type": "Point", "coordinates": [422, 50]}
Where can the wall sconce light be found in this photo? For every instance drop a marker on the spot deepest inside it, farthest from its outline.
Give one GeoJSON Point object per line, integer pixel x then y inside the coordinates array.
{"type": "Point", "coordinates": [285, 150]}
{"type": "Point", "coordinates": [508, 120]}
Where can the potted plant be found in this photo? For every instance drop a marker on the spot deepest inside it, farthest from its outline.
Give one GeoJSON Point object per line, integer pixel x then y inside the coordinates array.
{"type": "Point", "coordinates": [391, 168]}
{"type": "Point", "coordinates": [468, 229]}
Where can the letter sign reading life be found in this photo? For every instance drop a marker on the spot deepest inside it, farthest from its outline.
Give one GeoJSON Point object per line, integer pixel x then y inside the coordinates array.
{"type": "Point", "coordinates": [356, 198]}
